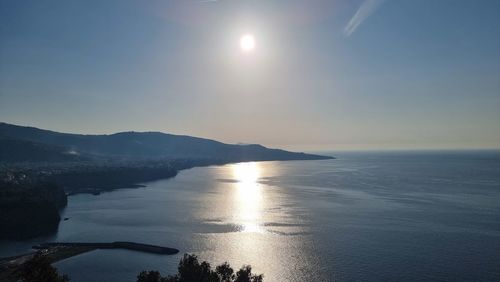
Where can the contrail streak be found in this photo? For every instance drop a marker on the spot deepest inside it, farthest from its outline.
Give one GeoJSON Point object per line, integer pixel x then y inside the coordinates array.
{"type": "Point", "coordinates": [364, 11]}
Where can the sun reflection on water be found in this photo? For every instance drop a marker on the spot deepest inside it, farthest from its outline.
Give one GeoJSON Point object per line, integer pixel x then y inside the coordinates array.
{"type": "Point", "coordinates": [248, 200]}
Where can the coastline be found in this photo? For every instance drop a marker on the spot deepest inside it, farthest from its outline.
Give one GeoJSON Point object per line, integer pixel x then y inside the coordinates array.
{"type": "Point", "coordinates": [23, 200]}
{"type": "Point", "coordinates": [57, 251]}
{"type": "Point", "coordinates": [177, 166]}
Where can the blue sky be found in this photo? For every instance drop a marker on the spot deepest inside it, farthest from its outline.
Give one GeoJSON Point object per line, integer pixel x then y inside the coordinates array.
{"type": "Point", "coordinates": [393, 74]}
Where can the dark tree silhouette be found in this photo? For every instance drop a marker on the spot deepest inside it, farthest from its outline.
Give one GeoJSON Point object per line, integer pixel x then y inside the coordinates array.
{"type": "Point", "coordinates": [191, 270]}
{"type": "Point", "coordinates": [149, 276]}
{"type": "Point", "coordinates": [225, 272]}
{"type": "Point", "coordinates": [245, 275]}
{"type": "Point", "coordinates": [39, 269]}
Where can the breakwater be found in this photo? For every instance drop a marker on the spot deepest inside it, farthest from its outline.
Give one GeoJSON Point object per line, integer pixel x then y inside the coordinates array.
{"type": "Point", "coordinates": [113, 245]}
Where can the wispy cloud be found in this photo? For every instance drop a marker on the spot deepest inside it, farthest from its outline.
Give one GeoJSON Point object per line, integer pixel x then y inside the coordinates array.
{"type": "Point", "coordinates": [363, 12]}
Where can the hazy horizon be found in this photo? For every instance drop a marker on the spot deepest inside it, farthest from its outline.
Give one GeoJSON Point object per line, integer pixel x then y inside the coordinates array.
{"type": "Point", "coordinates": [317, 149]}
{"type": "Point", "coordinates": [323, 75]}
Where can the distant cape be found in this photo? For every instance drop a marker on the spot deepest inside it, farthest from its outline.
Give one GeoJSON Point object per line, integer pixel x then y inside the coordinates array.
{"type": "Point", "coordinates": [21, 143]}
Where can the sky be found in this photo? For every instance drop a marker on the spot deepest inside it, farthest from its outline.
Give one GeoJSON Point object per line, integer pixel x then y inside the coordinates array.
{"type": "Point", "coordinates": [324, 75]}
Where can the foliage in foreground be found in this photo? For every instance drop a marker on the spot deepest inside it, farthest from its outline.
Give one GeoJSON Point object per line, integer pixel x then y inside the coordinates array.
{"type": "Point", "coordinates": [190, 270]}
{"type": "Point", "coordinates": [39, 269]}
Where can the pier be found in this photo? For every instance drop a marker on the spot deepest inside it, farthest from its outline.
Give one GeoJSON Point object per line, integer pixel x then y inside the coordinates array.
{"type": "Point", "coordinates": [114, 245]}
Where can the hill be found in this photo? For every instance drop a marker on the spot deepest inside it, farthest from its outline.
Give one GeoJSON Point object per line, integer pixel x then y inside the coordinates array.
{"type": "Point", "coordinates": [141, 145]}
{"type": "Point", "coordinates": [16, 150]}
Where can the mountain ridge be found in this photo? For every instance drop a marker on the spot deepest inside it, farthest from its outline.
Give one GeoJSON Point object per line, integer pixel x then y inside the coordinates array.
{"type": "Point", "coordinates": [149, 145]}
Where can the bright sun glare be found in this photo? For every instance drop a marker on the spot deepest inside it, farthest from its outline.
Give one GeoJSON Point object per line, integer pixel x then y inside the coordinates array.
{"type": "Point", "coordinates": [246, 173]}
{"type": "Point", "coordinates": [247, 42]}
{"type": "Point", "coordinates": [248, 197]}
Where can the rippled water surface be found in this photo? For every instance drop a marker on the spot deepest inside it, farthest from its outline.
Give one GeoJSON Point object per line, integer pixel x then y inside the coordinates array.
{"type": "Point", "coordinates": [363, 216]}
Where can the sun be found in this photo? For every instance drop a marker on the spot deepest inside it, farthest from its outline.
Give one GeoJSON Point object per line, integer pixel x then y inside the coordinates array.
{"type": "Point", "coordinates": [247, 42]}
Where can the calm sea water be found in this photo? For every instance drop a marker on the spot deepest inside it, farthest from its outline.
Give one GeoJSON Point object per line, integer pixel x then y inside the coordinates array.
{"type": "Point", "coordinates": [361, 217]}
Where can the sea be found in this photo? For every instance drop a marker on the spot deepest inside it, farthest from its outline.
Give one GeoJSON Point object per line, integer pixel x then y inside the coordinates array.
{"type": "Point", "coordinates": [364, 216]}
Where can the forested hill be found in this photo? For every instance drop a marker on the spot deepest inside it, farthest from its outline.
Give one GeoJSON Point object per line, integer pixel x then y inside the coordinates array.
{"type": "Point", "coordinates": [135, 145]}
